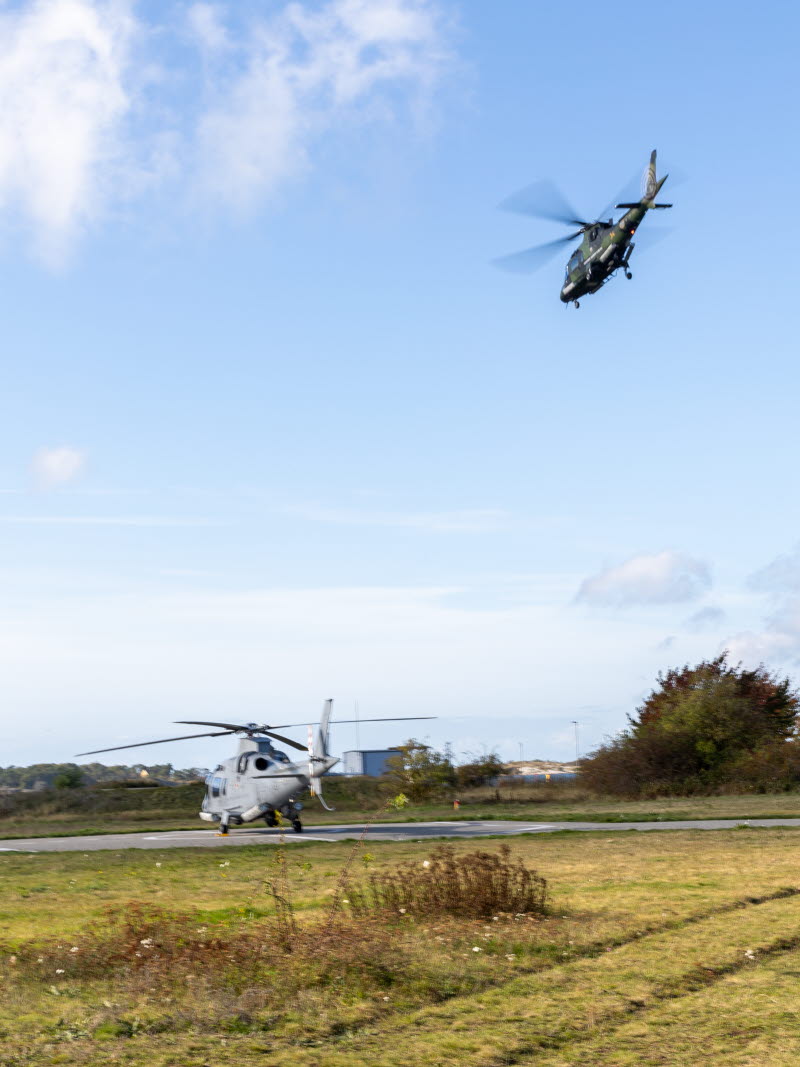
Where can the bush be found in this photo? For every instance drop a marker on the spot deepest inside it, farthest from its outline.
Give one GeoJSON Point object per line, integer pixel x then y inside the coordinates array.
{"type": "Point", "coordinates": [474, 885]}
{"type": "Point", "coordinates": [419, 771]}
{"type": "Point", "coordinates": [479, 770]}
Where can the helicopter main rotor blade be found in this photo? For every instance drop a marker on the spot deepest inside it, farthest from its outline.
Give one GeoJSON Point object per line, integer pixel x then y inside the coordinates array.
{"type": "Point", "coordinates": [543, 200]}
{"type": "Point", "coordinates": [335, 722]}
{"type": "Point", "coordinates": [161, 741]}
{"type": "Point", "coordinates": [285, 740]}
{"type": "Point", "coordinates": [203, 722]}
{"type": "Point", "coordinates": [532, 259]}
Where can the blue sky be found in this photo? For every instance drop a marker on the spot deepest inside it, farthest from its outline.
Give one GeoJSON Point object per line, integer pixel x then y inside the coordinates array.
{"type": "Point", "coordinates": [275, 429]}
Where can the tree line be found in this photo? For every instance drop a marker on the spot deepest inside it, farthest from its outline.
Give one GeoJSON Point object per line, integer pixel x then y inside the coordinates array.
{"type": "Point", "coordinates": [71, 775]}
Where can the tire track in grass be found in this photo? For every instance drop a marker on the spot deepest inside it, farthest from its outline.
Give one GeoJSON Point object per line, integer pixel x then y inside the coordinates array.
{"type": "Point", "coordinates": [748, 1017]}
{"type": "Point", "coordinates": [553, 1009]}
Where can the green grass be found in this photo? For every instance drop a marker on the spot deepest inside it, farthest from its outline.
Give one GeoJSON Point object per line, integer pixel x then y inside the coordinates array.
{"type": "Point", "coordinates": [131, 811]}
{"type": "Point", "coordinates": [655, 947]}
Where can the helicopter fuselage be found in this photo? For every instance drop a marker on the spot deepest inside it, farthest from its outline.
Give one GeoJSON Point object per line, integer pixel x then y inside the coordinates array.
{"type": "Point", "coordinates": [259, 782]}
{"type": "Point", "coordinates": [604, 249]}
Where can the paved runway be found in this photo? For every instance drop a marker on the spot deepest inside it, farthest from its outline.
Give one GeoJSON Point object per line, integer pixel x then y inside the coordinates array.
{"type": "Point", "coordinates": [411, 831]}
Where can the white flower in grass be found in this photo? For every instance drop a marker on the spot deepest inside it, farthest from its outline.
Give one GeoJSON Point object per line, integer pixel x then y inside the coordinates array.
{"type": "Point", "coordinates": [158, 865]}
{"type": "Point", "coordinates": [749, 954]}
{"type": "Point", "coordinates": [426, 863]}
{"type": "Point", "coordinates": [74, 949]}
{"type": "Point", "coordinates": [476, 949]}
{"type": "Point", "coordinates": [147, 942]}
{"type": "Point", "coordinates": [402, 911]}
{"type": "Point", "coordinates": [59, 970]}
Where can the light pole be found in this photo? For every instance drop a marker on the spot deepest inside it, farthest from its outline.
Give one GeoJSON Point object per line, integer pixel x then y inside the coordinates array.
{"type": "Point", "coordinates": [521, 756]}
{"type": "Point", "coordinates": [577, 750]}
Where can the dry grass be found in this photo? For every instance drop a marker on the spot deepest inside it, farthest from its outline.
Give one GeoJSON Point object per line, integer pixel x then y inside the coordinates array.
{"type": "Point", "coordinates": [646, 934]}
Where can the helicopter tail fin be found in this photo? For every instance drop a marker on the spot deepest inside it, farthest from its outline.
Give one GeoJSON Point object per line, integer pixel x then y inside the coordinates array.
{"type": "Point", "coordinates": [651, 183]}
{"type": "Point", "coordinates": [319, 759]}
{"type": "Point", "coordinates": [651, 186]}
{"type": "Point", "coordinates": [320, 743]}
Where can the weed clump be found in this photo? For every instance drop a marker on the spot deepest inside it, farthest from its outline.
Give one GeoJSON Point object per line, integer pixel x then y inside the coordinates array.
{"type": "Point", "coordinates": [473, 885]}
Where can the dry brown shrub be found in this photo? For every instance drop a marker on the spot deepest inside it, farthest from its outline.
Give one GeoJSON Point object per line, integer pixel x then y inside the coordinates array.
{"type": "Point", "coordinates": [152, 948]}
{"type": "Point", "coordinates": [473, 885]}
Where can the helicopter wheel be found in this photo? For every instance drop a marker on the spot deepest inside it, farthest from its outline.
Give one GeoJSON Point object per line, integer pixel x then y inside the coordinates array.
{"type": "Point", "coordinates": [577, 305]}
{"type": "Point", "coordinates": [297, 826]}
{"type": "Point", "coordinates": [628, 275]}
{"type": "Point", "coordinates": [223, 828]}
{"type": "Point", "coordinates": [270, 820]}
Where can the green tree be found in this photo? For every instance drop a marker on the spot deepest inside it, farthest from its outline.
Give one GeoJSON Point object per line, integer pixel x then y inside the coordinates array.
{"type": "Point", "coordinates": [419, 771]}
{"type": "Point", "coordinates": [695, 729]}
{"type": "Point", "coordinates": [69, 778]}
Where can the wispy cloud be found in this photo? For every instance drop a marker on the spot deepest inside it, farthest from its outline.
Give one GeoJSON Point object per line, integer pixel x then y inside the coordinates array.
{"type": "Point", "coordinates": [103, 520]}
{"type": "Point", "coordinates": [706, 618]}
{"type": "Point", "coordinates": [782, 575]}
{"type": "Point", "coordinates": [662, 578]}
{"type": "Point", "coordinates": [57, 466]}
{"type": "Point", "coordinates": [285, 80]}
{"type": "Point", "coordinates": [475, 520]}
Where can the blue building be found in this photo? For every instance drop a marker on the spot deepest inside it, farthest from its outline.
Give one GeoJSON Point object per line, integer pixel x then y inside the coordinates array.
{"type": "Point", "coordinates": [368, 761]}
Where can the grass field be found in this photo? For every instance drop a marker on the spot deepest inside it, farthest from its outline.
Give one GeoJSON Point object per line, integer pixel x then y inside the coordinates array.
{"type": "Point", "coordinates": [679, 948]}
{"type": "Point", "coordinates": [121, 810]}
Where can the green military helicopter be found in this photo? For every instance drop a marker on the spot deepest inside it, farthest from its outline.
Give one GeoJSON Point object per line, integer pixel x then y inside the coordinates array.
{"type": "Point", "coordinates": [606, 246]}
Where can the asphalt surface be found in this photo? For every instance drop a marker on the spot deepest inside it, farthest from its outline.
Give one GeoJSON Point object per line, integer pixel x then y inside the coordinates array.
{"type": "Point", "coordinates": [412, 831]}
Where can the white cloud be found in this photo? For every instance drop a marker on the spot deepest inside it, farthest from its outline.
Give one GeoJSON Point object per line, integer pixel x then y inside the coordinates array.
{"type": "Point", "coordinates": [662, 578]}
{"type": "Point", "coordinates": [295, 76]}
{"type": "Point", "coordinates": [57, 466]}
{"type": "Point", "coordinates": [62, 66]}
{"type": "Point", "coordinates": [94, 109]}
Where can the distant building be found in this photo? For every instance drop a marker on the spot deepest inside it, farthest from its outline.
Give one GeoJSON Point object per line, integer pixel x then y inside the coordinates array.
{"type": "Point", "coordinates": [368, 761]}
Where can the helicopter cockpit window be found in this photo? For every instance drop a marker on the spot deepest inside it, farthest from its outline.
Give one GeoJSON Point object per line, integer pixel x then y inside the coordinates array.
{"type": "Point", "coordinates": [593, 233]}
{"type": "Point", "coordinates": [281, 757]}
{"type": "Point", "coordinates": [241, 765]}
{"type": "Point", "coordinates": [216, 785]}
{"type": "Point", "coordinates": [575, 261]}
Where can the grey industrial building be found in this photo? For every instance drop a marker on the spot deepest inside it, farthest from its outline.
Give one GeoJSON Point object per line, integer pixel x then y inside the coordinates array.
{"type": "Point", "coordinates": [368, 761]}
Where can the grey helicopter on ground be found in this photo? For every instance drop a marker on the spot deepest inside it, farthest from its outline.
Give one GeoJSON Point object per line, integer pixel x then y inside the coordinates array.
{"type": "Point", "coordinates": [605, 247]}
{"type": "Point", "coordinates": [260, 781]}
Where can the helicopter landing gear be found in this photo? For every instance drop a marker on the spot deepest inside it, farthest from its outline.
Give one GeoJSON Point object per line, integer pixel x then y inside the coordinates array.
{"type": "Point", "coordinates": [577, 305]}
{"type": "Point", "coordinates": [628, 275]}
{"type": "Point", "coordinates": [297, 826]}
{"type": "Point", "coordinates": [271, 819]}
{"type": "Point", "coordinates": [223, 826]}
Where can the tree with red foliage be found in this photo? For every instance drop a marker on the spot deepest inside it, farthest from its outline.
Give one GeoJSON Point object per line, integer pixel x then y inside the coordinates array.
{"type": "Point", "coordinates": [697, 731]}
